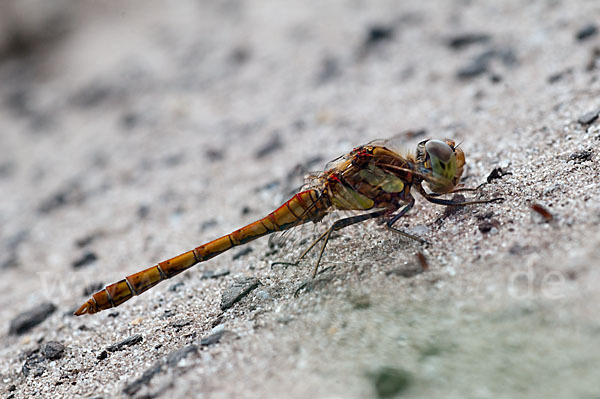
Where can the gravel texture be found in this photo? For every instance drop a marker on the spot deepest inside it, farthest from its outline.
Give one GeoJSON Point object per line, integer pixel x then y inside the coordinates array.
{"type": "Point", "coordinates": [132, 131]}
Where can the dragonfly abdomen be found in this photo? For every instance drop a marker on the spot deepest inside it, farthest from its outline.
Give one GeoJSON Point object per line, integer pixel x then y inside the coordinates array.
{"type": "Point", "coordinates": [303, 207]}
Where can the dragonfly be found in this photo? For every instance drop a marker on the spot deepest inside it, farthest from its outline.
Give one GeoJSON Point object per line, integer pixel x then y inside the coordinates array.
{"type": "Point", "coordinates": [373, 179]}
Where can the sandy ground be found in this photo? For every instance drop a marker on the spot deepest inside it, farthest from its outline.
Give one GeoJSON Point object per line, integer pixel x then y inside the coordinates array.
{"type": "Point", "coordinates": [133, 131]}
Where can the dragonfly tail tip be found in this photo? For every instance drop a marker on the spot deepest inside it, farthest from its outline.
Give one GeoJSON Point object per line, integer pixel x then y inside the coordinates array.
{"type": "Point", "coordinates": [85, 308]}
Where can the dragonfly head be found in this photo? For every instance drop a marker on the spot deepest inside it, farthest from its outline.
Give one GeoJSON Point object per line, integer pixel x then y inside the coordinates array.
{"type": "Point", "coordinates": [443, 161]}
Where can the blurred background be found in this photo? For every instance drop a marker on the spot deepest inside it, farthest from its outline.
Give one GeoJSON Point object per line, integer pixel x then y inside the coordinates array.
{"type": "Point", "coordinates": [132, 131]}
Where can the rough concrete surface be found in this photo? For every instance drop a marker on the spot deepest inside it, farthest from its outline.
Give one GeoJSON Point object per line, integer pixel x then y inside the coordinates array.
{"type": "Point", "coordinates": [133, 131]}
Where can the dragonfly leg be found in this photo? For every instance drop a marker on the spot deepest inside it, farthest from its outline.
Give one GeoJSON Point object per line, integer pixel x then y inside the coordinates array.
{"type": "Point", "coordinates": [389, 224]}
{"type": "Point", "coordinates": [338, 225]}
{"type": "Point", "coordinates": [441, 201]}
{"type": "Point", "coordinates": [460, 190]}
{"type": "Point", "coordinates": [307, 250]}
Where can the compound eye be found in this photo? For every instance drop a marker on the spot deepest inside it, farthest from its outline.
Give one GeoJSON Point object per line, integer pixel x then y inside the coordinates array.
{"type": "Point", "coordinates": [440, 150]}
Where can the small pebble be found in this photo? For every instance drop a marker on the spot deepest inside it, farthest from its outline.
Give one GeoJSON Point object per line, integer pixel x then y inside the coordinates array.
{"type": "Point", "coordinates": [53, 350]}
{"type": "Point", "coordinates": [588, 117]}
{"type": "Point", "coordinates": [27, 320]}
{"type": "Point", "coordinates": [241, 253]}
{"type": "Point", "coordinates": [377, 34]}
{"type": "Point", "coordinates": [239, 289]}
{"type": "Point", "coordinates": [180, 323]}
{"type": "Point", "coordinates": [214, 274]}
{"type": "Point", "coordinates": [586, 32]}
{"type": "Point", "coordinates": [33, 366]}
{"type": "Point", "coordinates": [464, 40]}
{"type": "Point", "coordinates": [136, 385]}
{"type": "Point", "coordinates": [213, 338]}
{"type": "Point", "coordinates": [486, 225]}
{"type": "Point", "coordinates": [581, 156]}
{"type": "Point", "coordinates": [134, 339]}
{"type": "Point", "coordinates": [175, 287]}
{"type": "Point", "coordinates": [176, 356]}
{"type": "Point", "coordinates": [270, 146]}
{"type": "Point", "coordinates": [171, 360]}
{"type": "Point", "coordinates": [85, 259]}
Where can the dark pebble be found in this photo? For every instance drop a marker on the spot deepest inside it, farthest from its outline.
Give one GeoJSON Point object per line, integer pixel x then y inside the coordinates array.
{"type": "Point", "coordinates": [214, 274]}
{"type": "Point", "coordinates": [390, 381]}
{"type": "Point", "coordinates": [495, 78]}
{"type": "Point", "coordinates": [212, 339]}
{"type": "Point", "coordinates": [31, 318]}
{"type": "Point", "coordinates": [176, 356]}
{"type": "Point", "coordinates": [85, 259]}
{"type": "Point", "coordinates": [180, 323]}
{"type": "Point", "coordinates": [586, 32]}
{"type": "Point", "coordinates": [214, 155]}
{"type": "Point", "coordinates": [143, 211]}
{"type": "Point", "coordinates": [242, 252]}
{"type": "Point", "coordinates": [171, 360]}
{"type": "Point", "coordinates": [136, 385]}
{"type": "Point", "coordinates": [246, 210]}
{"type": "Point", "coordinates": [480, 64]}
{"type": "Point", "coordinates": [588, 117]}
{"type": "Point", "coordinates": [33, 366]}
{"type": "Point", "coordinates": [463, 40]}
{"type": "Point", "coordinates": [208, 224]}
{"type": "Point", "coordinates": [475, 68]}
{"type": "Point", "coordinates": [217, 321]}
{"type": "Point", "coordinates": [239, 289]}
{"type": "Point", "coordinates": [486, 226]}
{"type": "Point", "coordinates": [176, 286]}
{"type": "Point", "coordinates": [518, 249]}
{"type": "Point", "coordinates": [377, 34]}
{"type": "Point", "coordinates": [270, 146]}
{"type": "Point", "coordinates": [581, 156]}
{"type": "Point", "coordinates": [102, 355]}
{"type": "Point", "coordinates": [484, 215]}
{"type": "Point", "coordinates": [558, 76]}
{"type": "Point", "coordinates": [86, 240]}
{"type": "Point", "coordinates": [53, 350]}
{"type": "Point", "coordinates": [134, 339]}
